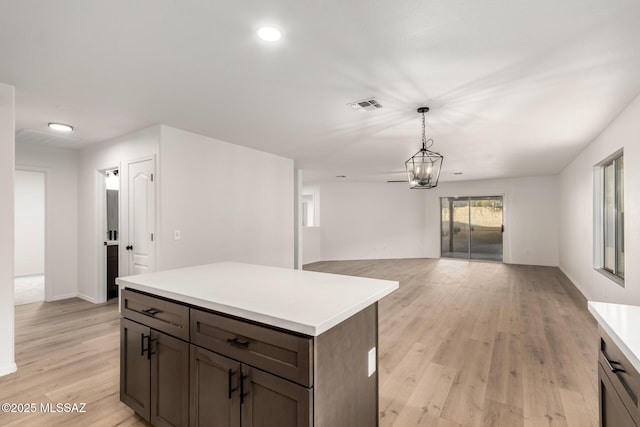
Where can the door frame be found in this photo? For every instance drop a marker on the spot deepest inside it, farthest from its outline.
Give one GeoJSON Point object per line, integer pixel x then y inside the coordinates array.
{"type": "Point", "coordinates": [506, 247]}
{"type": "Point", "coordinates": [123, 214]}
{"type": "Point", "coordinates": [48, 240]}
{"type": "Point", "coordinates": [101, 222]}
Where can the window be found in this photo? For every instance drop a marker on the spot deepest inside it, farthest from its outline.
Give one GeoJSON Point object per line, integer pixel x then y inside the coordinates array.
{"type": "Point", "coordinates": [610, 217]}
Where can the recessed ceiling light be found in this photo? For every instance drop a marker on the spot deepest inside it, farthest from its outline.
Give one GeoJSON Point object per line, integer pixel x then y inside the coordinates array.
{"type": "Point", "coordinates": [270, 34]}
{"type": "Point", "coordinates": [61, 127]}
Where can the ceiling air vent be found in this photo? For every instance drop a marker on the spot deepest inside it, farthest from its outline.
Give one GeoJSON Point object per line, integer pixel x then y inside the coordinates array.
{"type": "Point", "coordinates": [368, 104]}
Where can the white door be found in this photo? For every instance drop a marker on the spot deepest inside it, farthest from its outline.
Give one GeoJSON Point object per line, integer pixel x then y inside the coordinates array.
{"type": "Point", "coordinates": [142, 218]}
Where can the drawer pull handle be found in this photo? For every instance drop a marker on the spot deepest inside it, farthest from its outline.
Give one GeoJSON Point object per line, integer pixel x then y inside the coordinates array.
{"type": "Point", "coordinates": [151, 312]}
{"type": "Point", "coordinates": [231, 390]}
{"type": "Point", "coordinates": [238, 342]}
{"type": "Point", "coordinates": [610, 364]}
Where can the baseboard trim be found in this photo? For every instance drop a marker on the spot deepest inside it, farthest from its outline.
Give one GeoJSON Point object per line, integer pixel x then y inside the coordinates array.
{"type": "Point", "coordinates": [575, 283]}
{"type": "Point", "coordinates": [9, 369]}
{"type": "Point", "coordinates": [86, 298]}
{"type": "Point", "coordinates": [61, 297]}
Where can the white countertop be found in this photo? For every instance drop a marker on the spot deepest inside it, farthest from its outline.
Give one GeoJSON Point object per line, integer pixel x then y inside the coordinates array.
{"type": "Point", "coordinates": [622, 323]}
{"type": "Point", "coordinates": [302, 301]}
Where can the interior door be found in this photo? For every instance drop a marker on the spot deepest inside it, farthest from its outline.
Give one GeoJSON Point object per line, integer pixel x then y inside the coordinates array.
{"type": "Point", "coordinates": [141, 247]}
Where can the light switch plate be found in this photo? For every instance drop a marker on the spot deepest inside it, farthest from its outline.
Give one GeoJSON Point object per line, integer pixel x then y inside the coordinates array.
{"type": "Point", "coordinates": [372, 361]}
{"type": "Point", "coordinates": [176, 235]}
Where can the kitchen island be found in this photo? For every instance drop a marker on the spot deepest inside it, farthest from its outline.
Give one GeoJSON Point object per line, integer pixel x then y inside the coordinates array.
{"type": "Point", "coordinates": [246, 345]}
{"type": "Point", "coordinates": [618, 363]}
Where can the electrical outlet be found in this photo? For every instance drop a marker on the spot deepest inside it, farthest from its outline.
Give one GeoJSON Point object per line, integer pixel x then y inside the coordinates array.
{"type": "Point", "coordinates": [176, 234]}
{"type": "Point", "coordinates": [372, 361]}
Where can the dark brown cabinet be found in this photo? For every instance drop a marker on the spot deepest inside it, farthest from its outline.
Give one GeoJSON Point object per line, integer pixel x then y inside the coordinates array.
{"type": "Point", "coordinates": [215, 395]}
{"type": "Point", "coordinates": [272, 401]}
{"type": "Point", "coordinates": [182, 365]}
{"type": "Point", "coordinates": [169, 380]}
{"type": "Point", "coordinates": [619, 385]}
{"type": "Point", "coordinates": [154, 366]}
{"type": "Point", "coordinates": [135, 372]}
{"type": "Point", "coordinates": [228, 393]}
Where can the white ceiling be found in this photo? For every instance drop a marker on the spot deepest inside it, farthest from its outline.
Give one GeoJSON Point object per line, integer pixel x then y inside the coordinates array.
{"type": "Point", "coordinates": [516, 88]}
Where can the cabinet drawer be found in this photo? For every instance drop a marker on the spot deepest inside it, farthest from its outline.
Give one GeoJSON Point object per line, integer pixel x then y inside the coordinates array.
{"type": "Point", "coordinates": [160, 314]}
{"type": "Point", "coordinates": [623, 376]}
{"type": "Point", "coordinates": [281, 353]}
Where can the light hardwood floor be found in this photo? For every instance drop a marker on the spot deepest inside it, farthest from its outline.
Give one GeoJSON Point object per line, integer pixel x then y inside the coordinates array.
{"type": "Point", "coordinates": [461, 344]}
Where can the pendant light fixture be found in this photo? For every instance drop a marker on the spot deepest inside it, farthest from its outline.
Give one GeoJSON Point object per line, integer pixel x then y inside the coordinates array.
{"type": "Point", "coordinates": [423, 168]}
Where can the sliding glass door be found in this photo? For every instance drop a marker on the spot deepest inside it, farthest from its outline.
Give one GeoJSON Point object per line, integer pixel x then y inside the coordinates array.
{"type": "Point", "coordinates": [471, 227]}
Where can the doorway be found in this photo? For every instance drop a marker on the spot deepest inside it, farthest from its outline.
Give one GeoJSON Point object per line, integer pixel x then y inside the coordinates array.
{"type": "Point", "coordinates": [112, 229]}
{"type": "Point", "coordinates": [29, 280]}
{"type": "Point", "coordinates": [472, 227]}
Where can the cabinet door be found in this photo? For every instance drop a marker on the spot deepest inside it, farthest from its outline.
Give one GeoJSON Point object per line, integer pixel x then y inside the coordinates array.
{"type": "Point", "coordinates": [612, 411]}
{"type": "Point", "coordinates": [169, 380]}
{"type": "Point", "coordinates": [272, 401]}
{"type": "Point", "coordinates": [215, 390]}
{"type": "Point", "coordinates": [134, 367]}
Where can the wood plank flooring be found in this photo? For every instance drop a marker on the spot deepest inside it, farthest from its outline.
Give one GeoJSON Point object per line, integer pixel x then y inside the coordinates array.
{"type": "Point", "coordinates": [482, 344]}
{"type": "Point", "coordinates": [461, 344]}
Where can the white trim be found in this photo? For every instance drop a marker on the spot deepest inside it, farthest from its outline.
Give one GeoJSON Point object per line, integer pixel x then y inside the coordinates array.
{"type": "Point", "coordinates": [101, 229]}
{"type": "Point", "coordinates": [8, 369]}
{"type": "Point", "coordinates": [86, 298]}
{"type": "Point", "coordinates": [575, 283]}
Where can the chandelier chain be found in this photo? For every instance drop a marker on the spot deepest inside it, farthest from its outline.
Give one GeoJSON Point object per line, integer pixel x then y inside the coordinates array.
{"type": "Point", "coordinates": [425, 141]}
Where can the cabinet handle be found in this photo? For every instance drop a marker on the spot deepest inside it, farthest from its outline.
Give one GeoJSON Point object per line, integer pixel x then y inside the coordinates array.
{"type": "Point", "coordinates": [242, 393]}
{"type": "Point", "coordinates": [610, 364]}
{"type": "Point", "coordinates": [142, 349]}
{"type": "Point", "coordinates": [231, 389]}
{"type": "Point", "coordinates": [238, 342]}
{"type": "Point", "coordinates": [151, 312]}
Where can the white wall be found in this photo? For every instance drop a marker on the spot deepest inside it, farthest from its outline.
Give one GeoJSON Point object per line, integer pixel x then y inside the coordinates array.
{"type": "Point", "coordinates": [576, 222]}
{"type": "Point", "coordinates": [61, 240]}
{"type": "Point", "coordinates": [29, 223]}
{"type": "Point", "coordinates": [92, 160]}
{"type": "Point", "coordinates": [7, 171]}
{"type": "Point", "coordinates": [365, 220]}
{"type": "Point", "coordinates": [531, 216]}
{"type": "Point", "coordinates": [311, 244]}
{"type": "Point", "coordinates": [229, 203]}
{"type": "Point", "coordinates": [380, 220]}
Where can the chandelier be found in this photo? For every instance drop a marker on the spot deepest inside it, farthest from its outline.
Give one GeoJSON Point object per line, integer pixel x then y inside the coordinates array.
{"type": "Point", "coordinates": [423, 168]}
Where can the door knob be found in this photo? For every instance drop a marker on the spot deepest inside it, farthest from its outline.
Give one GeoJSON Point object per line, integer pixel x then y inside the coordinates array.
{"type": "Point", "coordinates": [129, 248]}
